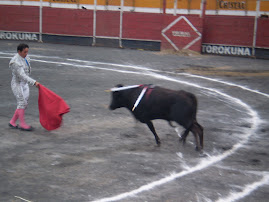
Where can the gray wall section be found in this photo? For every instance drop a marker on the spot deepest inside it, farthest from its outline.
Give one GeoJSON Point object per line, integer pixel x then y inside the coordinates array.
{"type": "Point", "coordinates": [72, 40]}
{"type": "Point", "coordinates": [262, 53]}
{"type": "Point", "coordinates": [104, 42]}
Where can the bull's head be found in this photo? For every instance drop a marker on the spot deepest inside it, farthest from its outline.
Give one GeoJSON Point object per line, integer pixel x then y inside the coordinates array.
{"type": "Point", "coordinates": [117, 99]}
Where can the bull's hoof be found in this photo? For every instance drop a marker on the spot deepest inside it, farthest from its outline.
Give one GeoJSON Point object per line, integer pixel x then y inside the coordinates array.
{"type": "Point", "coordinates": [197, 148]}
{"type": "Point", "coordinates": [158, 143]}
{"type": "Point", "coordinates": [183, 140]}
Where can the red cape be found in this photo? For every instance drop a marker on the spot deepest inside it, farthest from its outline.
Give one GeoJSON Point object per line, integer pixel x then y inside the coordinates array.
{"type": "Point", "coordinates": [51, 108]}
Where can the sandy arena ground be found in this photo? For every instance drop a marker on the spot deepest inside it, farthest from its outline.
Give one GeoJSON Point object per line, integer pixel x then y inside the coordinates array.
{"type": "Point", "coordinates": [103, 155]}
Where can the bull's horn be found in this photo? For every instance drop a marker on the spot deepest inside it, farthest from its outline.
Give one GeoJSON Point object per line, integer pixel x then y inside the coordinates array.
{"type": "Point", "coordinates": [123, 88]}
{"type": "Point", "coordinates": [107, 91]}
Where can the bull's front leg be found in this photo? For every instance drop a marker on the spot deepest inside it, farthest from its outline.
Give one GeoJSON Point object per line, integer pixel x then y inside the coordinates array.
{"type": "Point", "coordinates": [152, 129]}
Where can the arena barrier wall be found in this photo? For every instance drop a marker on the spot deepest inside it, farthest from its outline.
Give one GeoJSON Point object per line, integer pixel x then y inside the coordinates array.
{"type": "Point", "coordinates": [230, 27]}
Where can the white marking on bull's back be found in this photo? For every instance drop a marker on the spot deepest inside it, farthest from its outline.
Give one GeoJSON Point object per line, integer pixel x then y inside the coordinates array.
{"type": "Point", "coordinates": [139, 98]}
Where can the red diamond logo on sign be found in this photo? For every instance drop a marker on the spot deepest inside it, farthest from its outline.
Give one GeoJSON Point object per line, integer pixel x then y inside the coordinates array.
{"type": "Point", "coordinates": [181, 33]}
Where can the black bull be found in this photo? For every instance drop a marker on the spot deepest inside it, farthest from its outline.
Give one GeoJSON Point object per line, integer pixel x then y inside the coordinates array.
{"type": "Point", "coordinates": [178, 106]}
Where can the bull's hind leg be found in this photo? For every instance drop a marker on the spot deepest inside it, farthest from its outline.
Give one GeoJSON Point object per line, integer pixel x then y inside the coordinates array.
{"type": "Point", "coordinates": [152, 129]}
{"type": "Point", "coordinates": [201, 135]}
{"type": "Point", "coordinates": [197, 131]}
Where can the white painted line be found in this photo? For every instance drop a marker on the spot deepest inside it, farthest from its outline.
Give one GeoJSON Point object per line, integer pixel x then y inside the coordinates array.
{"type": "Point", "coordinates": [226, 83]}
{"type": "Point", "coordinates": [152, 70]}
{"type": "Point", "coordinates": [171, 42]}
{"type": "Point", "coordinates": [22, 198]}
{"type": "Point", "coordinates": [85, 66]}
{"type": "Point", "coordinates": [245, 172]}
{"type": "Point", "coordinates": [173, 73]}
{"type": "Point", "coordinates": [167, 28]}
{"type": "Point", "coordinates": [254, 121]}
{"type": "Point", "coordinates": [172, 24]}
{"type": "Point", "coordinates": [194, 28]}
{"type": "Point", "coordinates": [192, 42]}
{"type": "Point", "coordinates": [112, 64]}
{"type": "Point", "coordinates": [190, 24]}
{"type": "Point", "coordinates": [143, 68]}
{"type": "Point", "coordinates": [5, 57]}
{"type": "Point", "coordinates": [234, 196]}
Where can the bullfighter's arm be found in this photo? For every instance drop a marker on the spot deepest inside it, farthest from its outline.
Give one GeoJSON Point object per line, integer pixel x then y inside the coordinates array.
{"type": "Point", "coordinates": [19, 72]}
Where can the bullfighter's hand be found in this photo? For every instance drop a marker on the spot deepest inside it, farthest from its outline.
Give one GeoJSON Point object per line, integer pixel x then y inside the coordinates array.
{"type": "Point", "coordinates": [37, 84]}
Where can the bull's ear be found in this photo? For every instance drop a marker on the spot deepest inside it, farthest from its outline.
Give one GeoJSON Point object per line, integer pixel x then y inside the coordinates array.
{"type": "Point", "coordinates": [119, 85]}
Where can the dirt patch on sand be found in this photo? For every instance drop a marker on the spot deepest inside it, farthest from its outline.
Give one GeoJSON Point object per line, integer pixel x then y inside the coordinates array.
{"type": "Point", "coordinates": [179, 53]}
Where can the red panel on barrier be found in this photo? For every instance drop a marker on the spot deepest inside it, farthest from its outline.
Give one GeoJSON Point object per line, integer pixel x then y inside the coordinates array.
{"type": "Point", "coordinates": [68, 21]}
{"type": "Point", "coordinates": [263, 33]}
{"type": "Point", "coordinates": [182, 32]}
{"type": "Point", "coordinates": [108, 23]}
{"type": "Point", "coordinates": [19, 18]}
{"type": "Point", "coordinates": [228, 30]}
{"type": "Point", "coordinates": [142, 26]}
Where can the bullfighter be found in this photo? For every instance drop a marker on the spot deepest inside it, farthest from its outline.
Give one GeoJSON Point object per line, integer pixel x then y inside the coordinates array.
{"type": "Point", "coordinates": [21, 70]}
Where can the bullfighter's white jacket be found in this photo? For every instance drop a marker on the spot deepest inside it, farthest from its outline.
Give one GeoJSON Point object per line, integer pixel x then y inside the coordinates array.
{"type": "Point", "coordinates": [21, 70]}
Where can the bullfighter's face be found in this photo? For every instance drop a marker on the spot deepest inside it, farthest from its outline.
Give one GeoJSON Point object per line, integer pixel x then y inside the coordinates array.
{"type": "Point", "coordinates": [24, 52]}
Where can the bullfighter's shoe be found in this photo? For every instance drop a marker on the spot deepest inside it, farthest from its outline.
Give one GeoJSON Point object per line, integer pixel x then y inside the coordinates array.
{"type": "Point", "coordinates": [13, 127]}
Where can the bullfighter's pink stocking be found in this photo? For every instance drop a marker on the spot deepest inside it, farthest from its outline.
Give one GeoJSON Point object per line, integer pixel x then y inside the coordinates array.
{"type": "Point", "coordinates": [23, 125]}
{"type": "Point", "coordinates": [14, 118]}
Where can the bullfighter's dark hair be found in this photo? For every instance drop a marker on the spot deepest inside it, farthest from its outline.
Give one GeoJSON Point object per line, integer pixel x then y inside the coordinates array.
{"type": "Point", "coordinates": [22, 46]}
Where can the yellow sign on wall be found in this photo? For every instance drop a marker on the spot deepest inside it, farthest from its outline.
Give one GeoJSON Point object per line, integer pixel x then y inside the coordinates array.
{"type": "Point", "coordinates": [232, 4]}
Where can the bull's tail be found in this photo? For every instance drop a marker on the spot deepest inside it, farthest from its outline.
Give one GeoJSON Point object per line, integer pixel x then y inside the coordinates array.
{"type": "Point", "coordinates": [194, 126]}
{"type": "Point", "coordinates": [194, 104]}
